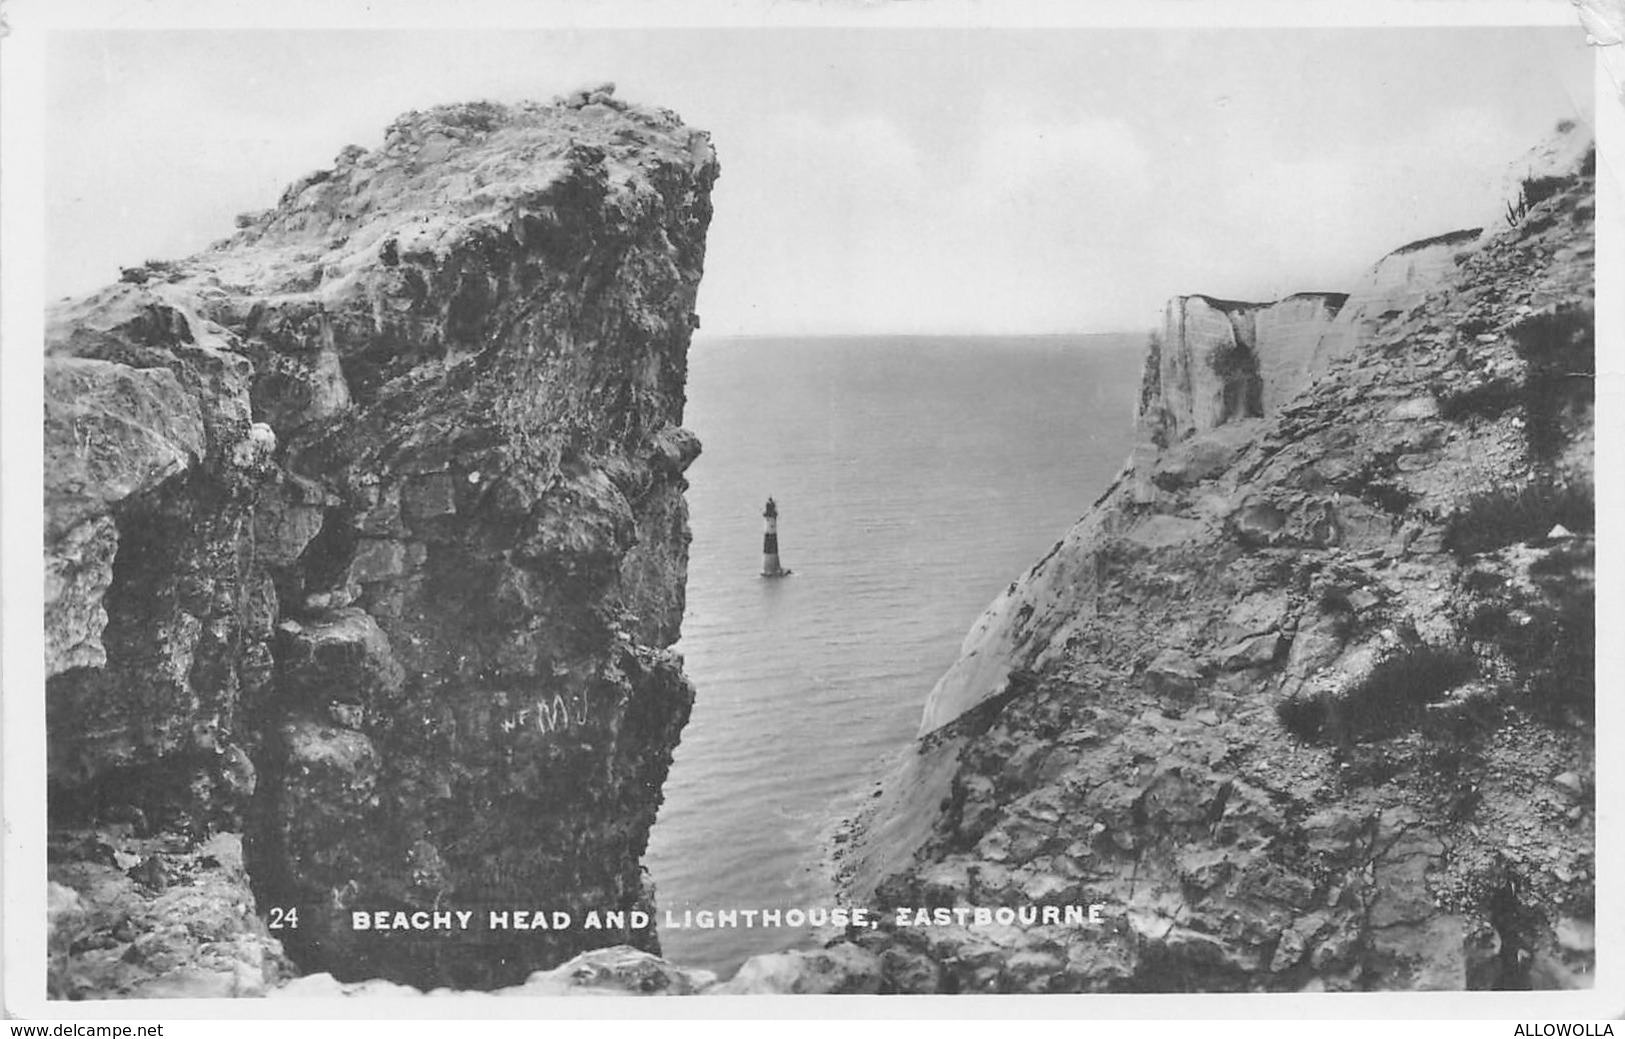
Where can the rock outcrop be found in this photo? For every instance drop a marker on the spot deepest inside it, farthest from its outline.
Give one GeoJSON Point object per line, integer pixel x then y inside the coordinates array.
{"type": "Point", "coordinates": [625, 971]}
{"type": "Point", "coordinates": [616, 971]}
{"type": "Point", "coordinates": [366, 536]}
{"type": "Point", "coordinates": [155, 917]}
{"type": "Point", "coordinates": [1305, 701]}
{"type": "Point", "coordinates": [1213, 367]}
{"type": "Point", "coordinates": [1400, 280]}
{"type": "Point", "coordinates": [1393, 285]}
{"type": "Point", "coordinates": [1218, 361]}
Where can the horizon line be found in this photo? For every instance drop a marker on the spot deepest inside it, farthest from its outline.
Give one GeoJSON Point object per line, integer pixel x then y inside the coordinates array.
{"type": "Point", "coordinates": [702, 334]}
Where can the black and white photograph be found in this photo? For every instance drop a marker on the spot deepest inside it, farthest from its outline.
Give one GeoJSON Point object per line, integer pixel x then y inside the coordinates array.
{"type": "Point", "coordinates": [902, 501]}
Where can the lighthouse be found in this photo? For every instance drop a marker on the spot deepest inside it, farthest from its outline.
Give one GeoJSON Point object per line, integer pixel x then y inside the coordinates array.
{"type": "Point", "coordinates": [770, 542]}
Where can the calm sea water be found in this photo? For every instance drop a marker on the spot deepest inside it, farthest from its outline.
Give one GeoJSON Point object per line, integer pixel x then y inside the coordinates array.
{"type": "Point", "coordinates": [915, 478]}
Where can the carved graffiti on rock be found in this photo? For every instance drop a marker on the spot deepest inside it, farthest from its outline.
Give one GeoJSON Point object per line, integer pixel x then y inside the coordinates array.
{"type": "Point", "coordinates": [549, 714]}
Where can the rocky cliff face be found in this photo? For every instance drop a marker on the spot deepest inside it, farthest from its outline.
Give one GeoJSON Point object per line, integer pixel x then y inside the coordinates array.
{"type": "Point", "coordinates": [1304, 702]}
{"type": "Point", "coordinates": [1220, 361]}
{"type": "Point", "coordinates": [1213, 368]}
{"type": "Point", "coordinates": [1393, 285]}
{"type": "Point", "coordinates": [366, 538]}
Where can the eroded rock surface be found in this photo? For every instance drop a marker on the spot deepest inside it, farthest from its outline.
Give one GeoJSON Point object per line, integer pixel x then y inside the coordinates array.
{"type": "Point", "coordinates": [366, 533]}
{"type": "Point", "coordinates": [1219, 361]}
{"type": "Point", "coordinates": [155, 917]}
{"type": "Point", "coordinates": [616, 971]}
{"type": "Point", "coordinates": [1393, 285]}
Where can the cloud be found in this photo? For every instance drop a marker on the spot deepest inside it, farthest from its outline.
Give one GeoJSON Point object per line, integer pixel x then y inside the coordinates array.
{"type": "Point", "coordinates": [1003, 222]}
{"type": "Point", "coordinates": [1019, 154]}
{"type": "Point", "coordinates": [818, 221]}
{"type": "Point", "coordinates": [868, 150]}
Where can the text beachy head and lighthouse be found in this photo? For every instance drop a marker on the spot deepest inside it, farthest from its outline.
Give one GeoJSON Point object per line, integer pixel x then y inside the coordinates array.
{"type": "Point", "coordinates": [770, 542]}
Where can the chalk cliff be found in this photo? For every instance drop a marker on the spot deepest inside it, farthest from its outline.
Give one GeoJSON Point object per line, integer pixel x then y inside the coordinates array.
{"type": "Point", "coordinates": [366, 539]}
{"type": "Point", "coordinates": [1219, 361]}
{"type": "Point", "coordinates": [1213, 367]}
{"type": "Point", "coordinates": [1393, 285]}
{"type": "Point", "coordinates": [1305, 701]}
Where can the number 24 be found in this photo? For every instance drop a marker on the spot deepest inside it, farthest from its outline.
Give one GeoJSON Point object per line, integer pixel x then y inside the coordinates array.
{"type": "Point", "coordinates": [281, 917]}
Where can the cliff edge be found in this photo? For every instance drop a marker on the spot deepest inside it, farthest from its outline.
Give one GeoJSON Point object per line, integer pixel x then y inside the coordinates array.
{"type": "Point", "coordinates": [1305, 701]}
{"type": "Point", "coordinates": [365, 539]}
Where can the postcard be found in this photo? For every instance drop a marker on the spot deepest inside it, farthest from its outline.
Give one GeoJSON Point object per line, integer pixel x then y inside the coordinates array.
{"type": "Point", "coordinates": [1071, 507]}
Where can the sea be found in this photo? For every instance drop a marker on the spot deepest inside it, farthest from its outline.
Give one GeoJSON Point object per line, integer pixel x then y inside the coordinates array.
{"type": "Point", "coordinates": [915, 478]}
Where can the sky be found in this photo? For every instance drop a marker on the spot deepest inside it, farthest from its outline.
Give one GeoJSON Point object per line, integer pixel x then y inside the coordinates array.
{"type": "Point", "coordinates": [874, 180]}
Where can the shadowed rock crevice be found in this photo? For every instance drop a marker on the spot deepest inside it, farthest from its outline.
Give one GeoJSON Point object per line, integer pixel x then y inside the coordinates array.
{"type": "Point", "coordinates": [1388, 694]}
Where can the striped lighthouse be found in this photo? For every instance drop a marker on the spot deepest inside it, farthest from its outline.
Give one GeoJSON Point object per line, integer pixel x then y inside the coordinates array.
{"type": "Point", "coordinates": [770, 541]}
